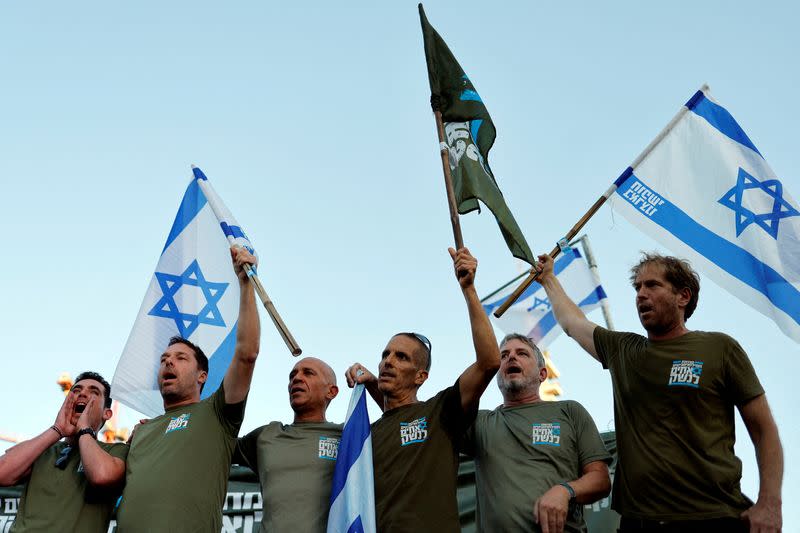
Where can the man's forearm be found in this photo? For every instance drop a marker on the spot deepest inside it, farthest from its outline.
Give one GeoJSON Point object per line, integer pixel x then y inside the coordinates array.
{"type": "Point", "coordinates": [487, 354]}
{"type": "Point", "coordinates": [248, 330]}
{"type": "Point", "coordinates": [17, 460]}
{"type": "Point", "coordinates": [769, 455]}
{"type": "Point", "coordinates": [102, 469]}
{"type": "Point", "coordinates": [591, 486]}
{"type": "Point", "coordinates": [564, 309]}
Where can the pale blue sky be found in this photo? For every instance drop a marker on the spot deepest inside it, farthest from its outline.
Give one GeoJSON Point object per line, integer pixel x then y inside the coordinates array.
{"type": "Point", "coordinates": [312, 121]}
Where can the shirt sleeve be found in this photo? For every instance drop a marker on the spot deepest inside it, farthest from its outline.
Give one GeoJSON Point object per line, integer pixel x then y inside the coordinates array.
{"type": "Point", "coordinates": [230, 415]}
{"type": "Point", "coordinates": [742, 384]}
{"type": "Point", "coordinates": [590, 444]}
{"type": "Point", "coordinates": [245, 452]}
{"type": "Point", "coordinates": [454, 419]}
{"type": "Point", "coordinates": [610, 345]}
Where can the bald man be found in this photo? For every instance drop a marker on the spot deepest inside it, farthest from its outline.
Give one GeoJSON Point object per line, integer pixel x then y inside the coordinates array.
{"type": "Point", "coordinates": [295, 462]}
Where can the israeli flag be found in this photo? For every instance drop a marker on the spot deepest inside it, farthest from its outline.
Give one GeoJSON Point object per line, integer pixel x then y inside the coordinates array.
{"type": "Point", "coordinates": [353, 490]}
{"type": "Point", "coordinates": [705, 192]}
{"type": "Point", "coordinates": [194, 293]}
{"type": "Point", "coordinates": [532, 315]}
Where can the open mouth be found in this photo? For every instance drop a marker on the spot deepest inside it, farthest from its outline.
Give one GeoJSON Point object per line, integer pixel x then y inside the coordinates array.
{"type": "Point", "coordinates": [296, 389]}
{"type": "Point", "coordinates": [513, 370]}
{"type": "Point", "coordinates": [80, 407]}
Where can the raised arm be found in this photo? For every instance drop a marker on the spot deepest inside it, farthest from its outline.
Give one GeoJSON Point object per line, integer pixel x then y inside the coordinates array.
{"type": "Point", "coordinates": [102, 469]}
{"type": "Point", "coordinates": [765, 515]}
{"type": "Point", "coordinates": [17, 461]}
{"type": "Point", "coordinates": [248, 332]}
{"type": "Point", "coordinates": [476, 377]}
{"type": "Point", "coordinates": [567, 313]}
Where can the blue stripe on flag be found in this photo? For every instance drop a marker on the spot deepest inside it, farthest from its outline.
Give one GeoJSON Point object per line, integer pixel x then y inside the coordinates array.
{"type": "Point", "coordinates": [198, 174]}
{"type": "Point", "coordinates": [356, 526]}
{"type": "Point", "coordinates": [548, 320]}
{"type": "Point", "coordinates": [218, 363]}
{"type": "Point", "coordinates": [193, 201]}
{"type": "Point", "coordinates": [736, 261]}
{"type": "Point", "coordinates": [561, 263]}
{"type": "Point", "coordinates": [357, 428]}
{"type": "Point", "coordinates": [719, 118]}
{"type": "Point", "coordinates": [232, 231]}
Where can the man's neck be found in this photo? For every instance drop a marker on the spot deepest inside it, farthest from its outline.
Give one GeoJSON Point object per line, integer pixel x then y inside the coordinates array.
{"type": "Point", "coordinates": [170, 404]}
{"type": "Point", "coordinates": [521, 398]}
{"type": "Point", "coordinates": [309, 416]}
{"type": "Point", "coordinates": [399, 400]}
{"type": "Point", "coordinates": [678, 330]}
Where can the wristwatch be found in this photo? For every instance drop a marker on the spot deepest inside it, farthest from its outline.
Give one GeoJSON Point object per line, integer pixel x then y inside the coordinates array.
{"type": "Point", "coordinates": [90, 431]}
{"type": "Point", "coordinates": [570, 490]}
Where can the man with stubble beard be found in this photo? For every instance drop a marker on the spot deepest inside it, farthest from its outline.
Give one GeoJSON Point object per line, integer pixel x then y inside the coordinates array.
{"type": "Point", "coordinates": [62, 493]}
{"type": "Point", "coordinates": [537, 463]}
{"type": "Point", "coordinates": [178, 464]}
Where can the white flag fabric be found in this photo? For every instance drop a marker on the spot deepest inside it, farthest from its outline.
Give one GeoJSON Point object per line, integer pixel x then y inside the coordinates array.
{"type": "Point", "coordinates": [706, 193]}
{"type": "Point", "coordinates": [532, 314]}
{"type": "Point", "coordinates": [353, 490]}
{"type": "Point", "coordinates": [194, 293]}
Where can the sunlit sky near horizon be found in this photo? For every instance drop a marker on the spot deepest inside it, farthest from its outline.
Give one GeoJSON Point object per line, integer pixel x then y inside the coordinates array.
{"type": "Point", "coordinates": [312, 121]}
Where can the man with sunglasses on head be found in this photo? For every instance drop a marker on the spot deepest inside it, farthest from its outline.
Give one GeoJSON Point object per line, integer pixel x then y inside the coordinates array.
{"type": "Point", "coordinates": [61, 493]}
{"type": "Point", "coordinates": [415, 443]}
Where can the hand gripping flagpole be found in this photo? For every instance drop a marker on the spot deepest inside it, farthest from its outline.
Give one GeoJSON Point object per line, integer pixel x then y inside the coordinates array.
{"type": "Point", "coordinates": [534, 274]}
{"type": "Point", "coordinates": [222, 215]}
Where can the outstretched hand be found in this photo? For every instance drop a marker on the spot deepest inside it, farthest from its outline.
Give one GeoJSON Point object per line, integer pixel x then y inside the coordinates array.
{"type": "Point", "coordinates": [544, 266]}
{"type": "Point", "coordinates": [465, 266]}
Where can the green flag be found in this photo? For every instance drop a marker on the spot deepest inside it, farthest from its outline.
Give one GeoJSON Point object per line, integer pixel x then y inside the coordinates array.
{"type": "Point", "coordinates": [470, 134]}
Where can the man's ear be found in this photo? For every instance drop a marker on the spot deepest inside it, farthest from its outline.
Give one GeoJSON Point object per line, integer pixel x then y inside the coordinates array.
{"type": "Point", "coordinates": [421, 377]}
{"type": "Point", "coordinates": [542, 374]}
{"type": "Point", "coordinates": [203, 377]}
{"type": "Point", "coordinates": [333, 391]}
{"type": "Point", "coordinates": [107, 413]}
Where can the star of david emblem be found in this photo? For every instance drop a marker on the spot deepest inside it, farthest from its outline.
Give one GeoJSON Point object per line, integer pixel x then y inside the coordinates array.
{"type": "Point", "coordinates": [540, 302]}
{"type": "Point", "coordinates": [166, 307]}
{"type": "Point", "coordinates": [744, 217]}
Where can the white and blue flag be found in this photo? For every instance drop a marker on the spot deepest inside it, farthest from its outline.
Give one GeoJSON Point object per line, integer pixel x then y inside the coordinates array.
{"type": "Point", "coordinates": [194, 293]}
{"type": "Point", "coordinates": [532, 314]}
{"type": "Point", "coordinates": [705, 192]}
{"type": "Point", "coordinates": [353, 490]}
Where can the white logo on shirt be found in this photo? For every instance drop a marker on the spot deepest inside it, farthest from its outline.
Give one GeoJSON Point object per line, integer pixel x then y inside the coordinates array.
{"type": "Point", "coordinates": [328, 448]}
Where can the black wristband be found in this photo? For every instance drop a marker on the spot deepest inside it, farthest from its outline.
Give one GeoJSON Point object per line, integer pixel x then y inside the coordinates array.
{"type": "Point", "coordinates": [570, 490]}
{"type": "Point", "coordinates": [55, 428]}
{"type": "Point", "coordinates": [86, 431]}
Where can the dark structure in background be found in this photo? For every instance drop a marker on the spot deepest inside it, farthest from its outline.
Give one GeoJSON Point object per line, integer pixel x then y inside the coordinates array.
{"type": "Point", "coordinates": [243, 505]}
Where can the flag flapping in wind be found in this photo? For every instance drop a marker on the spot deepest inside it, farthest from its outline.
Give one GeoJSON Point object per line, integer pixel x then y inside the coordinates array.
{"type": "Point", "coordinates": [470, 134]}
{"type": "Point", "coordinates": [706, 193]}
{"type": "Point", "coordinates": [353, 490]}
{"type": "Point", "coordinates": [533, 316]}
{"type": "Point", "coordinates": [194, 293]}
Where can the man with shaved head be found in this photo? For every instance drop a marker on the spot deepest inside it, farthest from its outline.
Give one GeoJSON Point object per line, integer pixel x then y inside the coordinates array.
{"type": "Point", "coordinates": [295, 461]}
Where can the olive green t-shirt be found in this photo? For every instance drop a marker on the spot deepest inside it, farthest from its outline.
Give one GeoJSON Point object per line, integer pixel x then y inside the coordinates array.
{"type": "Point", "coordinates": [415, 457]}
{"type": "Point", "coordinates": [63, 500]}
{"type": "Point", "coordinates": [295, 467]}
{"type": "Point", "coordinates": [178, 466]}
{"type": "Point", "coordinates": [674, 408]}
{"type": "Point", "coordinates": [521, 452]}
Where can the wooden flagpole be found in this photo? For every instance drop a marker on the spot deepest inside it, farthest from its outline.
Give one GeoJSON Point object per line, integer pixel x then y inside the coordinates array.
{"type": "Point", "coordinates": [444, 150]}
{"type": "Point", "coordinates": [534, 274]}
{"type": "Point", "coordinates": [273, 313]}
